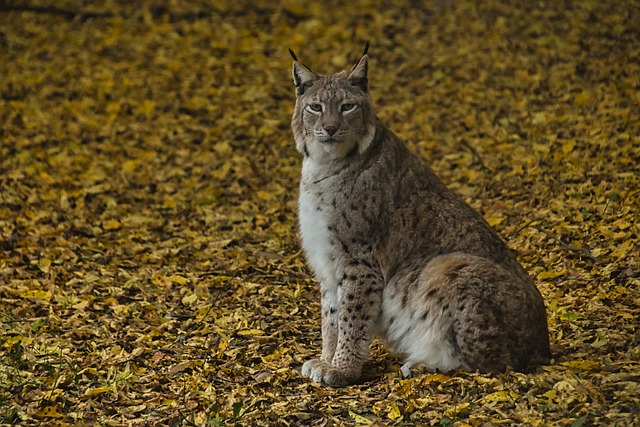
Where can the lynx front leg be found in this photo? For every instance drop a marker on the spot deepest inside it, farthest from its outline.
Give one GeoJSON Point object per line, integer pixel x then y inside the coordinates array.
{"type": "Point", "coordinates": [329, 324]}
{"type": "Point", "coordinates": [359, 297]}
{"type": "Point", "coordinates": [329, 301]}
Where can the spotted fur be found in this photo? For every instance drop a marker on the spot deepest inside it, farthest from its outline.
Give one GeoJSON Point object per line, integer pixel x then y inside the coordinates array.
{"type": "Point", "coordinates": [396, 253]}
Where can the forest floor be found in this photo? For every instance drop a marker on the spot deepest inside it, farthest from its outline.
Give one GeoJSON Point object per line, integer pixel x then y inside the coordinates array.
{"type": "Point", "coordinates": [150, 268]}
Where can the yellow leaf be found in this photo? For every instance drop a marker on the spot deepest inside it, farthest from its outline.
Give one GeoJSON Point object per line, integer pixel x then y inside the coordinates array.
{"type": "Point", "coordinates": [379, 408]}
{"type": "Point", "coordinates": [539, 118]}
{"type": "Point", "coordinates": [46, 177]}
{"type": "Point", "coordinates": [148, 155]}
{"type": "Point", "coordinates": [493, 221]}
{"type": "Point", "coordinates": [485, 380]}
{"type": "Point", "coordinates": [49, 412]}
{"type": "Point", "coordinates": [272, 357]}
{"type": "Point", "coordinates": [222, 172]}
{"type": "Point", "coordinates": [250, 332]}
{"type": "Point", "coordinates": [582, 365]}
{"type": "Point", "coordinates": [620, 235]}
{"type": "Point", "coordinates": [44, 264]}
{"type": "Point", "coordinates": [605, 230]}
{"type": "Point", "coordinates": [146, 107]}
{"type": "Point", "coordinates": [130, 165]}
{"type": "Point", "coordinates": [568, 147]}
{"type": "Point", "coordinates": [564, 386]}
{"type": "Point", "coordinates": [189, 299]}
{"type": "Point", "coordinates": [64, 201]}
{"type": "Point", "coordinates": [541, 148]}
{"type": "Point", "coordinates": [456, 409]}
{"type": "Point", "coordinates": [264, 195]}
{"type": "Point", "coordinates": [622, 250]}
{"type": "Point", "coordinates": [582, 98]}
{"type": "Point", "coordinates": [37, 294]}
{"type": "Point", "coordinates": [404, 389]}
{"type": "Point", "coordinates": [111, 224]}
{"type": "Point", "coordinates": [136, 220]}
{"type": "Point", "coordinates": [222, 346]}
{"type": "Point", "coordinates": [437, 378]}
{"type": "Point", "coordinates": [11, 341]}
{"type": "Point", "coordinates": [169, 203]}
{"type": "Point", "coordinates": [359, 419]}
{"type": "Point", "coordinates": [476, 421]}
{"type": "Point", "coordinates": [547, 275]}
{"type": "Point", "coordinates": [600, 342]}
{"type": "Point", "coordinates": [626, 315]}
{"type": "Point", "coordinates": [501, 396]}
{"type": "Point", "coordinates": [393, 412]}
{"type": "Point", "coordinates": [92, 392]}
{"type": "Point", "coordinates": [178, 279]}
{"type": "Point", "coordinates": [218, 280]}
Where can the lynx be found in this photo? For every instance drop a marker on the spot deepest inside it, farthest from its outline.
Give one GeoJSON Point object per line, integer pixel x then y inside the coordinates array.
{"type": "Point", "coordinates": [398, 254]}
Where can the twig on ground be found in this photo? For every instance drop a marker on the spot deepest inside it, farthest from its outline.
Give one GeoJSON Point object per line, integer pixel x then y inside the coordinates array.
{"type": "Point", "coordinates": [477, 160]}
{"type": "Point", "coordinates": [567, 246]}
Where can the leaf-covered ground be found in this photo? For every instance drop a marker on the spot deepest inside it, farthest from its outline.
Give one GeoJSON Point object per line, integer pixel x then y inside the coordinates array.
{"type": "Point", "coordinates": [150, 270]}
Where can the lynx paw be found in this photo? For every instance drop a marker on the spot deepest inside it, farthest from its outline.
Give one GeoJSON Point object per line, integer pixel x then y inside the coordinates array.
{"type": "Point", "coordinates": [406, 370]}
{"type": "Point", "coordinates": [322, 372]}
{"type": "Point", "coordinates": [411, 369]}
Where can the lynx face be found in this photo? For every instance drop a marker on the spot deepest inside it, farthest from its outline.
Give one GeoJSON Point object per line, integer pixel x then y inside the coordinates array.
{"type": "Point", "coordinates": [333, 116]}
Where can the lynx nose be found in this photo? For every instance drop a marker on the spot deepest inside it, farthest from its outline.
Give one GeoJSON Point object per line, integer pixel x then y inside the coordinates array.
{"type": "Point", "coordinates": [331, 130]}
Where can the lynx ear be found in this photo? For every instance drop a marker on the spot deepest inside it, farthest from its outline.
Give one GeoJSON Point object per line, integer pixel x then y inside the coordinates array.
{"type": "Point", "coordinates": [303, 77]}
{"type": "Point", "coordinates": [358, 74]}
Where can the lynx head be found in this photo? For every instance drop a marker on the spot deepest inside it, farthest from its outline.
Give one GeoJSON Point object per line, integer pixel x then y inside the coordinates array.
{"type": "Point", "coordinates": [333, 116]}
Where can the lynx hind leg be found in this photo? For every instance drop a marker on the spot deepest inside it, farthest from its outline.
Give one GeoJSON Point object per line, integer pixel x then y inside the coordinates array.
{"type": "Point", "coordinates": [489, 309]}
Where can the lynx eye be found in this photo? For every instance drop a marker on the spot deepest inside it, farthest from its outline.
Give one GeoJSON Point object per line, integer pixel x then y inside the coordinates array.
{"type": "Point", "coordinates": [316, 108]}
{"type": "Point", "coordinates": [346, 108]}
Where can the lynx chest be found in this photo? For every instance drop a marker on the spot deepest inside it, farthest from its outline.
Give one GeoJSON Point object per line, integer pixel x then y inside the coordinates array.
{"type": "Point", "coordinates": [315, 235]}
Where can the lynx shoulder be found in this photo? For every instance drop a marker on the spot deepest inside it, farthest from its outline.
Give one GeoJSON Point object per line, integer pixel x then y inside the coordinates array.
{"type": "Point", "coordinates": [396, 253]}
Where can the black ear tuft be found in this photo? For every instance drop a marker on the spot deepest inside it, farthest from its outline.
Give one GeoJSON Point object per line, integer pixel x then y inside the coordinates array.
{"type": "Point", "coordinates": [358, 75]}
{"type": "Point", "coordinates": [295, 58]}
{"type": "Point", "coordinates": [303, 76]}
{"type": "Point", "coordinates": [366, 49]}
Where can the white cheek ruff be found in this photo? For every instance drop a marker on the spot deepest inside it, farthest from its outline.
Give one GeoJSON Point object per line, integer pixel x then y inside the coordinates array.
{"type": "Point", "coordinates": [367, 139]}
